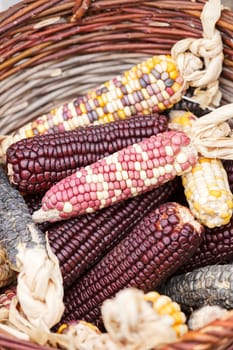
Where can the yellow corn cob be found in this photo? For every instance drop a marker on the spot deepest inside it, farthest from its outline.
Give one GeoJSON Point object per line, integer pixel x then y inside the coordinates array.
{"type": "Point", "coordinates": [164, 305]}
{"type": "Point", "coordinates": [206, 186]}
{"type": "Point", "coordinates": [151, 86]}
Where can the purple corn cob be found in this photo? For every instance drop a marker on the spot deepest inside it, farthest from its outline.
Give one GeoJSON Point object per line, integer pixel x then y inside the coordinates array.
{"type": "Point", "coordinates": [35, 164]}
{"type": "Point", "coordinates": [80, 242]}
{"type": "Point", "coordinates": [216, 248]}
{"type": "Point", "coordinates": [156, 247]}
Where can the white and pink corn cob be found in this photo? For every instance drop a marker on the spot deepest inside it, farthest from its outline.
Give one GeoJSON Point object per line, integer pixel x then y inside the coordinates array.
{"type": "Point", "coordinates": [127, 173]}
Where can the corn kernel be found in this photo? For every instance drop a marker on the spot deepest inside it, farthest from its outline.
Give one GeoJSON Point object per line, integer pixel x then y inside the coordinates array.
{"type": "Point", "coordinates": [176, 87]}
{"type": "Point", "coordinates": [161, 106]}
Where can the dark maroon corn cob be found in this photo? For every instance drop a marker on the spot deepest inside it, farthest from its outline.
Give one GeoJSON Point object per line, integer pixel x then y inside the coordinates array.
{"type": "Point", "coordinates": [209, 285]}
{"type": "Point", "coordinates": [80, 242]}
{"type": "Point", "coordinates": [216, 248]}
{"type": "Point", "coordinates": [156, 247]}
{"type": "Point", "coordinates": [228, 165]}
{"type": "Point", "coordinates": [35, 164]}
{"type": "Point", "coordinates": [187, 104]}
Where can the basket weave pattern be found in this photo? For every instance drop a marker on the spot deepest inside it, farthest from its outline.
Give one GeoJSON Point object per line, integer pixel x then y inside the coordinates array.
{"type": "Point", "coordinates": [46, 59]}
{"type": "Point", "coordinates": [53, 51]}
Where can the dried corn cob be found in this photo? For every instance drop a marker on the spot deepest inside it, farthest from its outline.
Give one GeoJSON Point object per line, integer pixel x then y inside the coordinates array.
{"type": "Point", "coordinates": [206, 186]}
{"type": "Point", "coordinates": [209, 285]}
{"type": "Point", "coordinates": [80, 242]}
{"type": "Point", "coordinates": [215, 248]}
{"type": "Point", "coordinates": [151, 86]}
{"type": "Point", "coordinates": [28, 252]}
{"type": "Point", "coordinates": [35, 164]}
{"type": "Point", "coordinates": [164, 305]}
{"type": "Point", "coordinates": [129, 172]}
{"type": "Point", "coordinates": [155, 248]}
{"type": "Point", "coordinates": [188, 104]}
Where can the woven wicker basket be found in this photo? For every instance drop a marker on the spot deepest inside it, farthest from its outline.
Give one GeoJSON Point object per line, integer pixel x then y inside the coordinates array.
{"type": "Point", "coordinates": [52, 51]}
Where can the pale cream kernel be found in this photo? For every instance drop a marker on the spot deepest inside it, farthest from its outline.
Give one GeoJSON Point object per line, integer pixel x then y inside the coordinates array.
{"type": "Point", "coordinates": [110, 107]}
{"type": "Point", "coordinates": [168, 168]}
{"type": "Point", "coordinates": [143, 175]}
{"type": "Point", "coordinates": [154, 100]}
{"type": "Point", "coordinates": [67, 208]}
{"type": "Point", "coordinates": [118, 166]}
{"type": "Point", "coordinates": [156, 173]}
{"type": "Point", "coordinates": [161, 170]}
{"type": "Point", "coordinates": [102, 195]}
{"type": "Point", "coordinates": [128, 182]}
{"type": "Point", "coordinates": [153, 181]}
{"type": "Point", "coordinates": [118, 175]}
{"type": "Point", "coordinates": [78, 174]}
{"type": "Point", "coordinates": [100, 177]}
{"type": "Point", "coordinates": [129, 88]}
{"type": "Point", "coordinates": [161, 85]}
{"type": "Point", "coordinates": [119, 104]}
{"type": "Point", "coordinates": [105, 186]}
{"type": "Point", "coordinates": [72, 109]}
{"type": "Point", "coordinates": [113, 159]}
{"type": "Point", "coordinates": [144, 105]}
{"type": "Point", "coordinates": [165, 95]}
{"type": "Point", "coordinates": [164, 65]}
{"type": "Point", "coordinates": [124, 175]}
{"type": "Point", "coordinates": [148, 182]}
{"type": "Point", "coordinates": [117, 193]}
{"type": "Point", "coordinates": [131, 99]}
{"type": "Point", "coordinates": [137, 166]}
{"type": "Point", "coordinates": [134, 191]}
{"type": "Point", "coordinates": [145, 156]}
{"type": "Point", "coordinates": [100, 111]}
{"type": "Point", "coordinates": [181, 158]}
{"type": "Point", "coordinates": [169, 150]}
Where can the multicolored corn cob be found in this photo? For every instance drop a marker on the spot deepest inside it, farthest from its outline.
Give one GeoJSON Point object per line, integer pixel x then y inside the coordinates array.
{"type": "Point", "coordinates": [80, 242]}
{"type": "Point", "coordinates": [151, 86]}
{"type": "Point", "coordinates": [36, 163]}
{"type": "Point", "coordinates": [164, 305]}
{"type": "Point", "coordinates": [156, 247]}
{"type": "Point", "coordinates": [209, 285]}
{"type": "Point", "coordinates": [127, 173]}
{"type": "Point", "coordinates": [206, 186]}
{"type": "Point", "coordinates": [216, 248]}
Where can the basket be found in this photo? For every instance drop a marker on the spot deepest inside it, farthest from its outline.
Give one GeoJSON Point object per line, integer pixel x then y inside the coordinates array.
{"type": "Point", "coordinates": [53, 51]}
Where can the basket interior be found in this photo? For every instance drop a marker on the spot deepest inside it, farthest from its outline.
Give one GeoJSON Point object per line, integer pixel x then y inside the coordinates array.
{"type": "Point", "coordinates": [46, 60]}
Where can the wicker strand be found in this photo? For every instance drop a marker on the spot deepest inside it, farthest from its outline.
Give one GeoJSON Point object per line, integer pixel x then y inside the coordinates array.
{"type": "Point", "coordinates": [218, 336]}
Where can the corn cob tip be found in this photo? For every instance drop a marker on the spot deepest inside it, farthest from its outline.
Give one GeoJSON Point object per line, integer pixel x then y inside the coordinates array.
{"type": "Point", "coordinates": [40, 216]}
